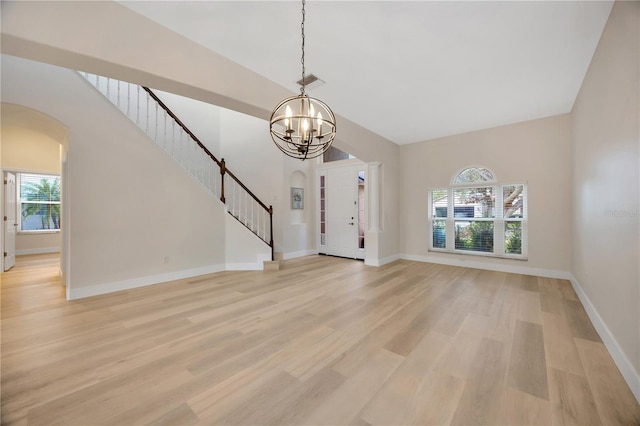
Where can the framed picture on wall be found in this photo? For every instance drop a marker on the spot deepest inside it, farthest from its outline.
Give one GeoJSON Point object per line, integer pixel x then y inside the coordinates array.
{"type": "Point", "coordinates": [297, 198]}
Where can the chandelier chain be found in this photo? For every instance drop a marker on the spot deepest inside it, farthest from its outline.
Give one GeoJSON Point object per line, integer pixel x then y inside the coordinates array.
{"type": "Point", "coordinates": [302, 89]}
{"type": "Point", "coordinates": [302, 127]}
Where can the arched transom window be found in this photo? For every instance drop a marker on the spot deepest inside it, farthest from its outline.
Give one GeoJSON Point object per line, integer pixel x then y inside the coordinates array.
{"type": "Point", "coordinates": [478, 215]}
{"type": "Point", "coordinates": [473, 175]}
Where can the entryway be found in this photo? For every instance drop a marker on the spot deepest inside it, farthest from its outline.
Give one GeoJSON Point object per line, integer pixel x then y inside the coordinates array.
{"type": "Point", "coordinates": [342, 211]}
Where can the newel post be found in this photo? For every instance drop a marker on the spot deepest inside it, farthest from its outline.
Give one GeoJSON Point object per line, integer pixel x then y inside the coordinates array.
{"type": "Point", "coordinates": [271, 232]}
{"type": "Point", "coordinates": [223, 170]}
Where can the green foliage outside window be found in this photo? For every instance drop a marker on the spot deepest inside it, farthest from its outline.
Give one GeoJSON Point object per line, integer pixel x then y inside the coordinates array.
{"type": "Point", "coordinates": [40, 202]}
{"type": "Point", "coordinates": [439, 234]}
{"type": "Point", "coordinates": [513, 238]}
{"type": "Point", "coordinates": [476, 236]}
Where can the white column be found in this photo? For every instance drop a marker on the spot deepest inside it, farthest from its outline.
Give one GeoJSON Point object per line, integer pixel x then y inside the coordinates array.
{"type": "Point", "coordinates": [373, 178]}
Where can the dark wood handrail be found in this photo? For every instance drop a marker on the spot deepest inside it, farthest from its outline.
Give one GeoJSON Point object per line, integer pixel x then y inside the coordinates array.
{"type": "Point", "coordinates": [264, 206]}
{"type": "Point", "coordinates": [220, 163]}
{"type": "Point", "coordinates": [181, 124]}
{"type": "Point", "coordinates": [223, 168]}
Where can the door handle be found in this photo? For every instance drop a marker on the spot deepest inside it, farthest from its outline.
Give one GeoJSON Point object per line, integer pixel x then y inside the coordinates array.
{"type": "Point", "coordinates": [350, 223]}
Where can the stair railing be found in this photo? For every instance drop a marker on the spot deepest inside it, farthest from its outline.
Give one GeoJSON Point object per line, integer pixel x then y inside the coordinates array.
{"type": "Point", "coordinates": [142, 106]}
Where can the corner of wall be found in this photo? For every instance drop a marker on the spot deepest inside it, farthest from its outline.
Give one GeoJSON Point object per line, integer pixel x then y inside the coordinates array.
{"type": "Point", "coordinates": [631, 376]}
{"type": "Point", "coordinates": [104, 288]}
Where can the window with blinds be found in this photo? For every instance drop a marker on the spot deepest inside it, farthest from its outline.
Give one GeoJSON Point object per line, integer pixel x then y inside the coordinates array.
{"type": "Point", "coordinates": [39, 202]}
{"type": "Point", "coordinates": [476, 215]}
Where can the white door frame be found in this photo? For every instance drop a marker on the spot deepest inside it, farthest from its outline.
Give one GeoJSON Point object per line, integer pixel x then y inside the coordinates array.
{"type": "Point", "coordinates": [322, 171]}
{"type": "Point", "coordinates": [2, 217]}
{"type": "Point", "coordinates": [9, 223]}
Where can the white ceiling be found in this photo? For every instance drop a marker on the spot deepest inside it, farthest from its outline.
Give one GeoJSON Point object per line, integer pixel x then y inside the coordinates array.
{"type": "Point", "coordinates": [408, 70]}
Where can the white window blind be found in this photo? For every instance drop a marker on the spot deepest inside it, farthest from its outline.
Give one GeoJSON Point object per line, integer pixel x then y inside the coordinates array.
{"type": "Point", "coordinates": [513, 205]}
{"type": "Point", "coordinates": [39, 202]}
{"type": "Point", "coordinates": [486, 219]}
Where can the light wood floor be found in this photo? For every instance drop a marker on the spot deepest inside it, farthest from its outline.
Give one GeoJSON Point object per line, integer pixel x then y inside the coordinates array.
{"type": "Point", "coordinates": [322, 341]}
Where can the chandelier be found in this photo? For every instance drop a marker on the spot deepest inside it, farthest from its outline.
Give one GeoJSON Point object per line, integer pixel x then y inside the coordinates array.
{"type": "Point", "coordinates": [301, 126]}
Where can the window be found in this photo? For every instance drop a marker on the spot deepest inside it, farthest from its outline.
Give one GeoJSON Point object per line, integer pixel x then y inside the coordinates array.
{"type": "Point", "coordinates": [474, 174]}
{"type": "Point", "coordinates": [39, 202]}
{"type": "Point", "coordinates": [476, 215]}
{"type": "Point", "coordinates": [361, 209]}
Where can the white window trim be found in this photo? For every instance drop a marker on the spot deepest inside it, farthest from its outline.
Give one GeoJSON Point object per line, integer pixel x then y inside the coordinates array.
{"type": "Point", "coordinates": [499, 221]}
{"type": "Point", "coordinates": [20, 231]}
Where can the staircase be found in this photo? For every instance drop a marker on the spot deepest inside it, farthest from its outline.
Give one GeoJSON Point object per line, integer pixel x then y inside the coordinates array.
{"type": "Point", "coordinates": [143, 107]}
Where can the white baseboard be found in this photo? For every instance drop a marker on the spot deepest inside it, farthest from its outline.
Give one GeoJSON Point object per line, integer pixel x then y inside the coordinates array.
{"type": "Point", "coordinates": [41, 250]}
{"type": "Point", "coordinates": [296, 254]}
{"type": "Point", "coordinates": [95, 290]}
{"type": "Point", "coordinates": [514, 269]}
{"type": "Point", "coordinates": [383, 261]}
{"type": "Point", "coordinates": [631, 376]}
{"type": "Point", "coordinates": [627, 370]}
{"type": "Point", "coordinates": [258, 266]}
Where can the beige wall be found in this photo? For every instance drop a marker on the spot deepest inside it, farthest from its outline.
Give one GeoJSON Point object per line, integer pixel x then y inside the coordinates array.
{"type": "Point", "coordinates": [606, 182]}
{"type": "Point", "coordinates": [28, 150]}
{"type": "Point", "coordinates": [47, 32]}
{"type": "Point", "coordinates": [536, 152]}
{"type": "Point", "coordinates": [135, 215]}
{"type": "Point", "coordinates": [25, 149]}
{"type": "Point", "coordinates": [252, 156]}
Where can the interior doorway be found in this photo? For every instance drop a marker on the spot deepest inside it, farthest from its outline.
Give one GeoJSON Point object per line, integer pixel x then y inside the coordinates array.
{"type": "Point", "coordinates": [342, 211]}
{"type": "Point", "coordinates": [34, 144]}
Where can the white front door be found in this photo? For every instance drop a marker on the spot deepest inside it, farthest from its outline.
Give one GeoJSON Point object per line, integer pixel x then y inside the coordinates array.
{"type": "Point", "coordinates": [342, 208]}
{"type": "Point", "coordinates": [10, 220]}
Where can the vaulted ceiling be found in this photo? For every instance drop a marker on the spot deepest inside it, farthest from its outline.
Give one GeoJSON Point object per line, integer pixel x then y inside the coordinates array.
{"type": "Point", "coordinates": [407, 70]}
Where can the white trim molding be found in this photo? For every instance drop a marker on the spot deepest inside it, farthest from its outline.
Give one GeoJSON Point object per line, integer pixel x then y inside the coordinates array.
{"type": "Point", "coordinates": [258, 266]}
{"type": "Point", "coordinates": [383, 261]}
{"type": "Point", "coordinates": [464, 262]}
{"type": "Point", "coordinates": [104, 288]}
{"type": "Point", "coordinates": [41, 250]}
{"type": "Point", "coordinates": [631, 376]}
{"type": "Point", "coordinates": [299, 253]}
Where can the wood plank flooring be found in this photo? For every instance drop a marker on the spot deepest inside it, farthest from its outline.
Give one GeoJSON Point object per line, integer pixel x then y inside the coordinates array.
{"type": "Point", "coordinates": [323, 341]}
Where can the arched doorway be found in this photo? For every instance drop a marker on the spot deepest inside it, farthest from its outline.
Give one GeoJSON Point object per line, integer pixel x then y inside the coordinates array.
{"type": "Point", "coordinates": [24, 132]}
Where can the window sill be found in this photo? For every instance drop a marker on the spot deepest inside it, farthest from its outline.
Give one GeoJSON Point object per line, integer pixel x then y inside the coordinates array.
{"type": "Point", "coordinates": [39, 232]}
{"type": "Point", "coordinates": [479, 253]}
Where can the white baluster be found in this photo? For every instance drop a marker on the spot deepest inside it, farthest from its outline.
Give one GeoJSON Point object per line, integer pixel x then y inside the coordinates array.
{"type": "Point", "coordinates": [181, 149]}
{"type": "Point", "coordinates": [190, 156]}
{"type": "Point", "coordinates": [208, 185]}
{"type": "Point", "coordinates": [239, 201]}
{"type": "Point", "coordinates": [147, 106]}
{"type": "Point", "coordinates": [173, 138]}
{"type": "Point", "coordinates": [128, 100]}
{"type": "Point", "coordinates": [156, 124]}
{"type": "Point", "coordinates": [236, 195]}
{"type": "Point", "coordinates": [198, 165]}
{"type": "Point", "coordinates": [164, 130]}
{"type": "Point", "coordinates": [235, 198]}
{"type": "Point", "coordinates": [246, 208]}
